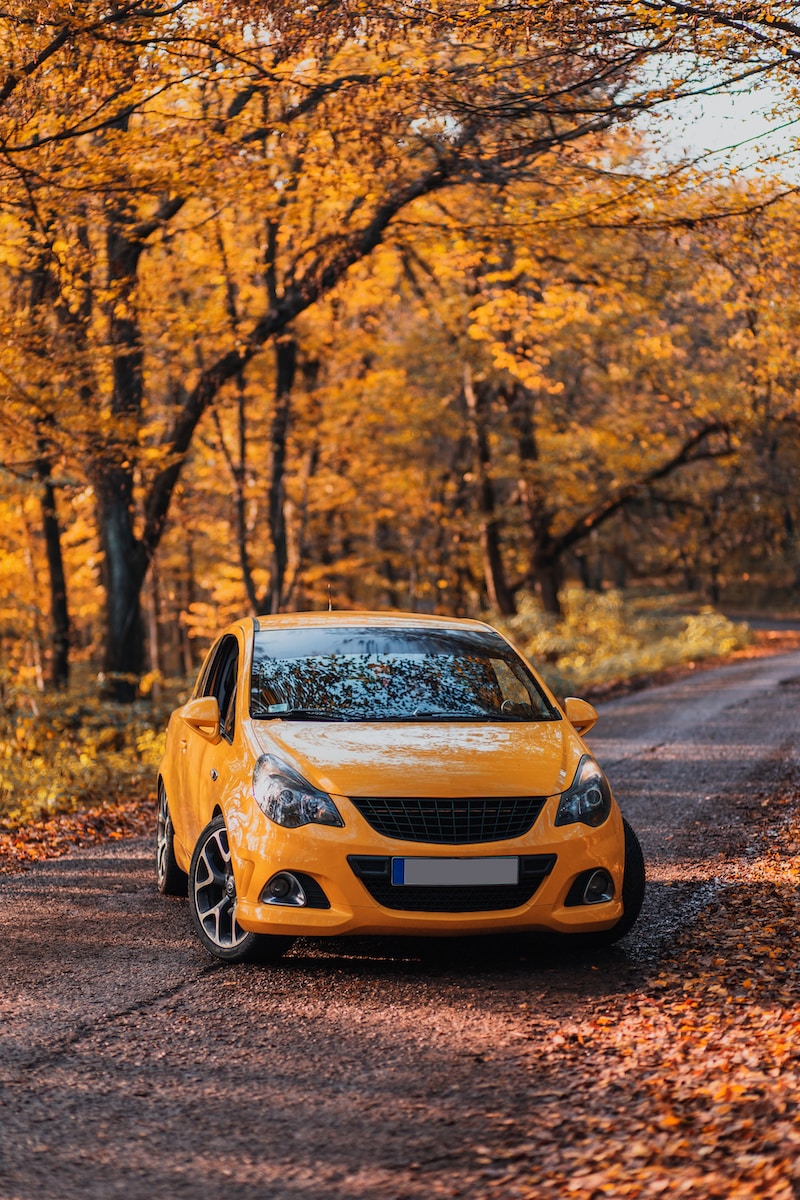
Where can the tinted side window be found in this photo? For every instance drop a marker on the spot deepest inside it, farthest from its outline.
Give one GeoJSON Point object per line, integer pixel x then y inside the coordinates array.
{"type": "Point", "coordinates": [201, 688]}
{"type": "Point", "coordinates": [220, 681]}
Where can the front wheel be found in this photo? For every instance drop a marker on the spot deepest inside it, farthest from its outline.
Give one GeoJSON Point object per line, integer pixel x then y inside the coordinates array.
{"type": "Point", "coordinates": [212, 903]}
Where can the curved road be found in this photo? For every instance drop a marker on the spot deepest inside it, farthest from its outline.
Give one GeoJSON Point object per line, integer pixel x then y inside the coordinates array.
{"type": "Point", "coordinates": [133, 1066]}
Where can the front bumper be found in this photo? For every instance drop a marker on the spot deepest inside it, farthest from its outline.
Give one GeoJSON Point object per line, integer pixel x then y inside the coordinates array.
{"type": "Point", "coordinates": [349, 866]}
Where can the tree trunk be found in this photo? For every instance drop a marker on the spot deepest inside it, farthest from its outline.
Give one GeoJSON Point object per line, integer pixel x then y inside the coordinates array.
{"type": "Point", "coordinates": [153, 631]}
{"type": "Point", "coordinates": [60, 632]}
{"type": "Point", "coordinates": [547, 571]}
{"type": "Point", "coordinates": [34, 643]}
{"type": "Point", "coordinates": [285, 366]}
{"type": "Point", "coordinates": [297, 546]}
{"type": "Point", "coordinates": [189, 594]}
{"type": "Point", "coordinates": [124, 569]}
{"type": "Point", "coordinates": [501, 598]}
{"type": "Point", "coordinates": [238, 466]}
{"type": "Point", "coordinates": [124, 560]}
{"type": "Point", "coordinates": [60, 628]}
{"type": "Point", "coordinates": [238, 472]}
{"type": "Point", "coordinates": [43, 297]}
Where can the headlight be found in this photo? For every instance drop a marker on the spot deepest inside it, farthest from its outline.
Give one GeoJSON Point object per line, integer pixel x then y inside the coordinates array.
{"type": "Point", "coordinates": [588, 799]}
{"type": "Point", "coordinates": [287, 799]}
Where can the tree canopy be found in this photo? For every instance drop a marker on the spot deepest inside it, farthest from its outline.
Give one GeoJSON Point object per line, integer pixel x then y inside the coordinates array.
{"type": "Point", "coordinates": [391, 300]}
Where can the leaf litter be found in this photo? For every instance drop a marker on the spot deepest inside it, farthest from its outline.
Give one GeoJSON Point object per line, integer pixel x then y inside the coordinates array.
{"type": "Point", "coordinates": [689, 1084]}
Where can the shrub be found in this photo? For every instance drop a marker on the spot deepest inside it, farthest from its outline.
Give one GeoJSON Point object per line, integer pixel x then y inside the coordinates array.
{"type": "Point", "coordinates": [606, 637]}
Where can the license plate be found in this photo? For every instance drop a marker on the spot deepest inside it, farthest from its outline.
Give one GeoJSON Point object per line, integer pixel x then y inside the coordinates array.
{"type": "Point", "coordinates": [455, 872]}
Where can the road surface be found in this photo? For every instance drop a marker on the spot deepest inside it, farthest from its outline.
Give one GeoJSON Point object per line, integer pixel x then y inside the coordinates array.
{"type": "Point", "coordinates": [131, 1065]}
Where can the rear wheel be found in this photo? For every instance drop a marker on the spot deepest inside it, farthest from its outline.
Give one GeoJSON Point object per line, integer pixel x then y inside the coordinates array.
{"type": "Point", "coordinates": [170, 879]}
{"type": "Point", "coordinates": [212, 903]}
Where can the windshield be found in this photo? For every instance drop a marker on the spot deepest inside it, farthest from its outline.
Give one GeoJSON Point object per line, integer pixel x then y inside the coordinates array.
{"type": "Point", "coordinates": [385, 674]}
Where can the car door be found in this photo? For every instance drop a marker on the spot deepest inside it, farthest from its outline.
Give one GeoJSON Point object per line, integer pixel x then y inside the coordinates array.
{"type": "Point", "coordinates": [204, 760]}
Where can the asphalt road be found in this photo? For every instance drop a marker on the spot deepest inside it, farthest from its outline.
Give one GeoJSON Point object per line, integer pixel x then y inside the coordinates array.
{"type": "Point", "coordinates": [131, 1065]}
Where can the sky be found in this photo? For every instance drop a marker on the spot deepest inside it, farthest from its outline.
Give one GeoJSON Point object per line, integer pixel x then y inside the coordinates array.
{"type": "Point", "coordinates": [735, 128]}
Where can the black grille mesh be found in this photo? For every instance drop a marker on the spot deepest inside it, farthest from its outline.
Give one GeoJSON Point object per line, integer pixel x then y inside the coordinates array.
{"type": "Point", "coordinates": [448, 821]}
{"type": "Point", "coordinates": [444, 899]}
{"type": "Point", "coordinates": [315, 896]}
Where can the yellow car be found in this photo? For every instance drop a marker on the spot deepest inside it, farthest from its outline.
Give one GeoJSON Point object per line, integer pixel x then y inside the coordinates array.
{"type": "Point", "coordinates": [385, 773]}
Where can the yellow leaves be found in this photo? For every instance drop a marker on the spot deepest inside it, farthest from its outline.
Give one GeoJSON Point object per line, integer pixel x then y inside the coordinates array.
{"type": "Point", "coordinates": [655, 347]}
{"type": "Point", "coordinates": [74, 752]}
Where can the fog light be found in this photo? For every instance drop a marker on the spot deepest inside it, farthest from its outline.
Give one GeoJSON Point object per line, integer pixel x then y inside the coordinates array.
{"type": "Point", "coordinates": [284, 888]}
{"type": "Point", "coordinates": [599, 888]}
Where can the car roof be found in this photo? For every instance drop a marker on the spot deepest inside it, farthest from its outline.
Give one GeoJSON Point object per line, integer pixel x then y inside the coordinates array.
{"type": "Point", "coordinates": [337, 617]}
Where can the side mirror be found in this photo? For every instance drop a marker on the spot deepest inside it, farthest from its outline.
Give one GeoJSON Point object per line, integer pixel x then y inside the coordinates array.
{"type": "Point", "coordinates": [202, 714]}
{"type": "Point", "coordinates": [580, 713]}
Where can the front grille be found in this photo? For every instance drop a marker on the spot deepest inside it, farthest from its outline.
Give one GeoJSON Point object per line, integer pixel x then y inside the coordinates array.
{"type": "Point", "coordinates": [375, 874]}
{"type": "Point", "coordinates": [450, 822]}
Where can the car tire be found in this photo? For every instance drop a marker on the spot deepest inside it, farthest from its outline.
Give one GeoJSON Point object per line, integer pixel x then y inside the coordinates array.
{"type": "Point", "coordinates": [212, 903]}
{"type": "Point", "coordinates": [170, 879]}
{"type": "Point", "coordinates": [633, 887]}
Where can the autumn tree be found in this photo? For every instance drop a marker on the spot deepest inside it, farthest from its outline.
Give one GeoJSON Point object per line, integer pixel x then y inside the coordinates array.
{"type": "Point", "coordinates": [753, 277]}
{"type": "Point", "coordinates": [130, 132]}
{"type": "Point", "coordinates": [558, 374]}
{"type": "Point", "coordinates": [330, 123]}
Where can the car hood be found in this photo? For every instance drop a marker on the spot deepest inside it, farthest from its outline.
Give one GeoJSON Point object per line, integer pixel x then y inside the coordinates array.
{"type": "Point", "coordinates": [441, 759]}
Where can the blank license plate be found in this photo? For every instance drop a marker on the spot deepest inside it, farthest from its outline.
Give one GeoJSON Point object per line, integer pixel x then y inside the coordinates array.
{"type": "Point", "coordinates": [454, 872]}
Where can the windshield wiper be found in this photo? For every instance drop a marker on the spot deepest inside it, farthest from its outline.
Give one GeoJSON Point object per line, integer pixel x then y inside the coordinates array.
{"type": "Point", "coordinates": [422, 714]}
{"type": "Point", "coordinates": [440, 714]}
{"type": "Point", "coordinates": [298, 714]}
{"type": "Point", "coordinates": [443, 714]}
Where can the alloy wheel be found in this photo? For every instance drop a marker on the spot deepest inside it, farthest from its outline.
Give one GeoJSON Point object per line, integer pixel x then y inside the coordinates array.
{"type": "Point", "coordinates": [214, 889]}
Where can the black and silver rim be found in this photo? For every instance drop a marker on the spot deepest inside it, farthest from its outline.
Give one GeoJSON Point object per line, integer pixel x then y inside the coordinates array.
{"type": "Point", "coordinates": [215, 892]}
{"type": "Point", "coordinates": [163, 835]}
